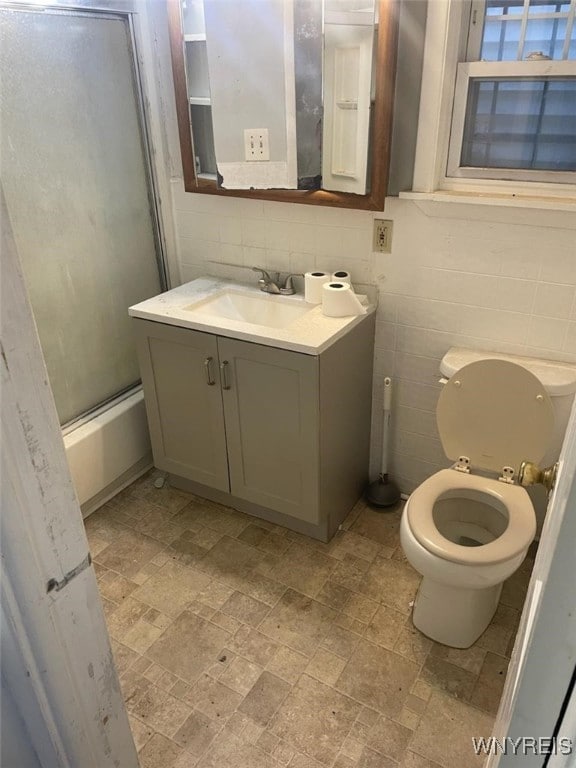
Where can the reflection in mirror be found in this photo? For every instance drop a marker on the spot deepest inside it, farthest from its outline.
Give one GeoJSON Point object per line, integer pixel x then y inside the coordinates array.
{"type": "Point", "coordinates": [280, 92]}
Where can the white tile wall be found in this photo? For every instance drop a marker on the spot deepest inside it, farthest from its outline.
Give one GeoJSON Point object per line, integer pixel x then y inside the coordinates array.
{"type": "Point", "coordinates": [505, 285]}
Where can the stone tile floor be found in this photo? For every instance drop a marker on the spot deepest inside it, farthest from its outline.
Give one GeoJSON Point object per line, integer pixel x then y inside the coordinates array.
{"type": "Point", "coordinates": [241, 644]}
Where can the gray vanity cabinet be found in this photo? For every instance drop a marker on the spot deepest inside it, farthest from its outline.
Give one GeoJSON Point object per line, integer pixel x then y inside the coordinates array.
{"type": "Point", "coordinates": [278, 434]}
{"type": "Point", "coordinates": [184, 411]}
{"type": "Point", "coordinates": [271, 412]}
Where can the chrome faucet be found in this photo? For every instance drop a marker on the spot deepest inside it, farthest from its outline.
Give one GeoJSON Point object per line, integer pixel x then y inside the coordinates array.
{"type": "Point", "coordinates": [265, 282]}
{"type": "Point", "coordinates": [269, 285]}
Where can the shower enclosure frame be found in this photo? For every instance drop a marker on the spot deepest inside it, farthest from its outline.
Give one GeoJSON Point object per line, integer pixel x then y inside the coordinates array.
{"type": "Point", "coordinates": [108, 445]}
{"type": "Point", "coordinates": [116, 9]}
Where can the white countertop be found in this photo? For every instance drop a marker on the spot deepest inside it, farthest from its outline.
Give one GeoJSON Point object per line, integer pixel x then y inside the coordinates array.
{"type": "Point", "coordinates": [310, 334]}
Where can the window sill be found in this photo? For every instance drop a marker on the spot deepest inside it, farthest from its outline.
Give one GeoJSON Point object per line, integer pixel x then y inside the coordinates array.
{"type": "Point", "coordinates": [495, 199]}
{"type": "Point", "coordinates": [497, 207]}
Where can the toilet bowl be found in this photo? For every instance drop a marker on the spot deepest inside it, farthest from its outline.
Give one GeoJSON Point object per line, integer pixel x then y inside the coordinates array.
{"type": "Point", "coordinates": [468, 528]}
{"type": "Point", "coordinates": [466, 535]}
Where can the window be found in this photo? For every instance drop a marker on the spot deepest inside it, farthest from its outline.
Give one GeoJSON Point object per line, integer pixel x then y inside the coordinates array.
{"type": "Point", "coordinates": [514, 109]}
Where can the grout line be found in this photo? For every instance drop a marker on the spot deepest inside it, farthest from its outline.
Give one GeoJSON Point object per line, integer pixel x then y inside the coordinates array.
{"type": "Point", "coordinates": [498, 276]}
{"type": "Point", "coordinates": [482, 338]}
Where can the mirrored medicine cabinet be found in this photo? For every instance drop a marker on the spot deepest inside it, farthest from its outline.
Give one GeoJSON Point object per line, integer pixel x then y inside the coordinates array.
{"type": "Point", "coordinates": [285, 100]}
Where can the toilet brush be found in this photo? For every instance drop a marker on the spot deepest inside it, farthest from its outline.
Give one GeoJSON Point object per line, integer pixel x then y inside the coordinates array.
{"type": "Point", "coordinates": [384, 492]}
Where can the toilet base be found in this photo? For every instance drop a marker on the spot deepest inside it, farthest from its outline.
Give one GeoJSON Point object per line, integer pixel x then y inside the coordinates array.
{"type": "Point", "coordinates": [452, 616]}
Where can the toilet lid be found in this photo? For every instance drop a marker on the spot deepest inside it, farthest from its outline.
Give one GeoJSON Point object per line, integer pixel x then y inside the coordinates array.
{"type": "Point", "coordinates": [496, 413]}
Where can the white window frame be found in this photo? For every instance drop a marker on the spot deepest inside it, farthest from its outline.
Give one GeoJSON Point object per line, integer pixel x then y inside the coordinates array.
{"type": "Point", "coordinates": [490, 70]}
{"type": "Point", "coordinates": [447, 33]}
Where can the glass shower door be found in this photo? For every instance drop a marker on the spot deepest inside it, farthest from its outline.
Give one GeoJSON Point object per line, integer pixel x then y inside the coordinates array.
{"type": "Point", "coordinates": [74, 168]}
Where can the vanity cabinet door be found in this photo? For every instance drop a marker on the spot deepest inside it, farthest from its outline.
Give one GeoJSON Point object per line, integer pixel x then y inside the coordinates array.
{"type": "Point", "coordinates": [181, 381]}
{"type": "Point", "coordinates": [271, 408]}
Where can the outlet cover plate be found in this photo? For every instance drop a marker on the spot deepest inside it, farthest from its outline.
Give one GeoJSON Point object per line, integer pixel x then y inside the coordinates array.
{"type": "Point", "coordinates": [382, 242]}
{"type": "Point", "coordinates": [256, 145]}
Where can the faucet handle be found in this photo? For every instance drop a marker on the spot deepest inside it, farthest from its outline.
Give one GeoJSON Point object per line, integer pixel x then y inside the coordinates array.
{"type": "Point", "coordinates": [267, 283]}
{"type": "Point", "coordinates": [264, 274]}
{"type": "Point", "coordinates": [288, 287]}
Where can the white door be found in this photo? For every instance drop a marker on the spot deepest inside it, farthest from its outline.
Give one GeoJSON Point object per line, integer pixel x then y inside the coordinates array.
{"type": "Point", "coordinates": [57, 668]}
{"type": "Point", "coordinates": [538, 700]}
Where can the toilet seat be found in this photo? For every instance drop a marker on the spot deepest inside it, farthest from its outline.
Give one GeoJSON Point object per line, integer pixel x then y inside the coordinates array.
{"type": "Point", "coordinates": [515, 539]}
{"type": "Point", "coordinates": [496, 414]}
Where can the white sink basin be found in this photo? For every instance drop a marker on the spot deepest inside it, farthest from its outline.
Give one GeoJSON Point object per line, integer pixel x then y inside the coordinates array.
{"type": "Point", "coordinates": [237, 311]}
{"type": "Point", "coordinates": [270, 311]}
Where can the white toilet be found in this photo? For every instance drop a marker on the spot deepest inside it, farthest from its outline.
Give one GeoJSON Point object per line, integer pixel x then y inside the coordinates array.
{"type": "Point", "coordinates": [468, 528]}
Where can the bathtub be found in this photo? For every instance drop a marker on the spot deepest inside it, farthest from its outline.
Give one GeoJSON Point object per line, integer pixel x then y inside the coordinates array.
{"type": "Point", "coordinates": [109, 451]}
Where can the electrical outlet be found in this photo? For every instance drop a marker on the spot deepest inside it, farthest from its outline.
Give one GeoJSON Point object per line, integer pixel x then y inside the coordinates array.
{"type": "Point", "coordinates": [256, 144]}
{"type": "Point", "coordinates": [382, 236]}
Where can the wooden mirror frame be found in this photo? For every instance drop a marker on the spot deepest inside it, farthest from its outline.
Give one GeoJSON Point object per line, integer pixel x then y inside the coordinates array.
{"type": "Point", "coordinates": [381, 125]}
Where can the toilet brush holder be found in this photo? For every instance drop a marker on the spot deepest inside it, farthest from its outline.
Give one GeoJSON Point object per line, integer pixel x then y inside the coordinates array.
{"type": "Point", "coordinates": [383, 493]}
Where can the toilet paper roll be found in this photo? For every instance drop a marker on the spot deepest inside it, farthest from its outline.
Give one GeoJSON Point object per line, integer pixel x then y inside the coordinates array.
{"type": "Point", "coordinates": [339, 300]}
{"type": "Point", "coordinates": [341, 277]}
{"type": "Point", "coordinates": [313, 282]}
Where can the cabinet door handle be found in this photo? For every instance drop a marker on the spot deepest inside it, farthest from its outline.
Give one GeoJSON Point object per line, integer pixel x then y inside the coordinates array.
{"type": "Point", "coordinates": [224, 374]}
{"type": "Point", "coordinates": [210, 380]}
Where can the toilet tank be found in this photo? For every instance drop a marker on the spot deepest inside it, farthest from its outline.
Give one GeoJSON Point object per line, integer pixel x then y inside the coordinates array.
{"type": "Point", "coordinates": [559, 380]}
